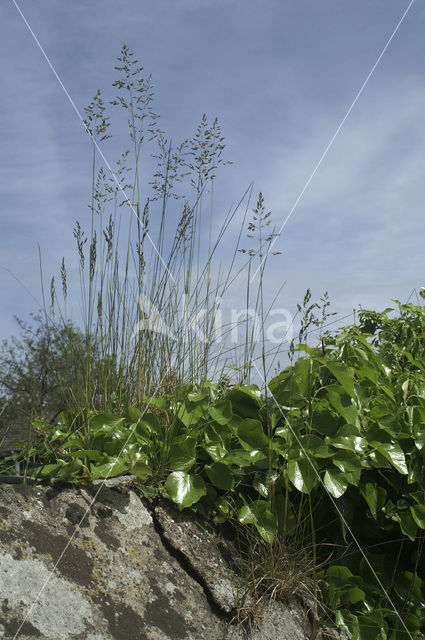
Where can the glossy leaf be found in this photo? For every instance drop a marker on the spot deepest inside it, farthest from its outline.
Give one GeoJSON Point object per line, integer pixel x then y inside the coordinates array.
{"type": "Point", "coordinates": [303, 474]}
{"type": "Point", "coordinates": [93, 455]}
{"type": "Point", "coordinates": [375, 497]}
{"type": "Point", "coordinates": [185, 489]}
{"type": "Point", "coordinates": [257, 513]}
{"type": "Point", "coordinates": [349, 463]}
{"type": "Point", "coordinates": [418, 514]}
{"type": "Point", "coordinates": [221, 476]}
{"type": "Point", "coordinates": [246, 400]}
{"type": "Point", "coordinates": [251, 434]}
{"type": "Point", "coordinates": [342, 403]}
{"type": "Point", "coordinates": [335, 482]}
{"type": "Point", "coordinates": [407, 523]}
{"type": "Point", "coordinates": [182, 454]}
{"type": "Point", "coordinates": [110, 469]}
{"type": "Point", "coordinates": [393, 453]}
{"type": "Point", "coordinates": [141, 470]}
{"type": "Point", "coordinates": [148, 423]}
{"type": "Point", "coordinates": [221, 412]}
{"type": "Point", "coordinates": [344, 375]}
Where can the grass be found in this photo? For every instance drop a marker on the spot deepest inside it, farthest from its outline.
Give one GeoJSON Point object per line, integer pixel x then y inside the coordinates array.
{"type": "Point", "coordinates": [136, 269]}
{"type": "Point", "coordinates": [148, 258]}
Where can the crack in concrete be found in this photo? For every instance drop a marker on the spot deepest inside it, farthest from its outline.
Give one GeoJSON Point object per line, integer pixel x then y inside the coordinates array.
{"type": "Point", "coordinates": [228, 616]}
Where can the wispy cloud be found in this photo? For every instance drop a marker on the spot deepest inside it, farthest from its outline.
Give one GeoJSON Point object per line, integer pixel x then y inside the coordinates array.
{"type": "Point", "coordinates": [280, 79]}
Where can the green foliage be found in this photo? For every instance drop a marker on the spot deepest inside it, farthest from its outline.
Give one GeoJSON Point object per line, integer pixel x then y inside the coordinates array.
{"type": "Point", "coordinates": [342, 443]}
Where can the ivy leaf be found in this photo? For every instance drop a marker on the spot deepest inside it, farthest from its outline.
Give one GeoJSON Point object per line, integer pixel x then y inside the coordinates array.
{"type": "Point", "coordinates": [349, 463]}
{"type": "Point", "coordinates": [344, 375]}
{"type": "Point", "coordinates": [182, 453]}
{"type": "Point", "coordinates": [335, 482]}
{"type": "Point", "coordinates": [221, 476]}
{"type": "Point", "coordinates": [393, 453]}
{"type": "Point", "coordinates": [407, 523]}
{"type": "Point", "coordinates": [221, 412]}
{"type": "Point", "coordinates": [418, 514]}
{"type": "Point", "coordinates": [251, 434]}
{"type": "Point", "coordinates": [185, 489]}
{"type": "Point", "coordinates": [257, 513]}
{"type": "Point", "coordinates": [375, 497]}
{"type": "Point", "coordinates": [303, 474]}
{"type": "Point", "coordinates": [114, 467]}
{"type": "Point", "coordinates": [141, 470]}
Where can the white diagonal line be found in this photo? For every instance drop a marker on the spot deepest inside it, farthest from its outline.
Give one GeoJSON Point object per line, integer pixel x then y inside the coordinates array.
{"type": "Point", "coordinates": [77, 528]}
{"type": "Point", "coordinates": [294, 206]}
{"type": "Point", "coordinates": [92, 138]}
{"type": "Point", "coordinates": [334, 504]}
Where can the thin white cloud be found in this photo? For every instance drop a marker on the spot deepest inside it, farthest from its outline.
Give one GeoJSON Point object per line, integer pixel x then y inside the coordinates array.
{"type": "Point", "coordinates": [362, 211]}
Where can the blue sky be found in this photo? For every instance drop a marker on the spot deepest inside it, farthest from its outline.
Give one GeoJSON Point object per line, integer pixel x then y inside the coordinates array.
{"type": "Point", "coordinates": [280, 76]}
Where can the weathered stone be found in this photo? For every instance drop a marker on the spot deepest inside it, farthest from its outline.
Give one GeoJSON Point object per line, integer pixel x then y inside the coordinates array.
{"type": "Point", "coordinates": [100, 563]}
{"type": "Point", "coordinates": [203, 550]}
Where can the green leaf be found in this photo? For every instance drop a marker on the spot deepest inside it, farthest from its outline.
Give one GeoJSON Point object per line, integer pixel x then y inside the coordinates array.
{"type": "Point", "coordinates": [375, 497]}
{"type": "Point", "coordinates": [257, 513]}
{"type": "Point", "coordinates": [348, 621]}
{"type": "Point", "coordinates": [220, 476]}
{"type": "Point", "coordinates": [69, 471]}
{"type": "Point", "coordinates": [342, 403]}
{"type": "Point", "coordinates": [313, 445]}
{"type": "Point", "coordinates": [335, 482]}
{"type": "Point", "coordinates": [303, 474]}
{"type": "Point", "coordinates": [185, 489]}
{"type": "Point", "coordinates": [349, 463]}
{"type": "Point", "coordinates": [216, 450]}
{"type": "Point", "coordinates": [241, 457]}
{"type": "Point", "coordinates": [339, 574]}
{"type": "Point", "coordinates": [197, 397]}
{"type": "Point", "coordinates": [344, 375]}
{"type": "Point", "coordinates": [418, 514]}
{"type": "Point", "coordinates": [221, 412]}
{"type": "Point", "coordinates": [393, 453]}
{"type": "Point", "coordinates": [407, 523]}
{"type": "Point", "coordinates": [114, 467]}
{"type": "Point", "coordinates": [141, 470]}
{"type": "Point", "coordinates": [323, 421]}
{"type": "Point", "coordinates": [261, 484]}
{"type": "Point", "coordinates": [148, 424]}
{"type": "Point", "coordinates": [417, 468]}
{"type": "Point", "coordinates": [90, 454]}
{"type": "Point", "coordinates": [190, 413]}
{"type": "Point", "coordinates": [133, 414]}
{"type": "Point", "coordinates": [246, 400]}
{"type": "Point", "coordinates": [182, 453]}
{"type": "Point", "coordinates": [352, 442]}
{"type": "Point", "coordinates": [410, 587]}
{"type": "Point", "coordinates": [251, 434]}
{"type": "Point", "coordinates": [48, 470]}
{"type": "Point", "coordinates": [371, 625]}
{"type": "Point", "coordinates": [156, 403]}
{"type": "Point", "coordinates": [108, 420]}
{"type": "Point", "coordinates": [59, 434]}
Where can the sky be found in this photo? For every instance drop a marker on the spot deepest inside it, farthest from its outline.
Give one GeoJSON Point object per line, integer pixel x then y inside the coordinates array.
{"type": "Point", "coordinates": [281, 77]}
